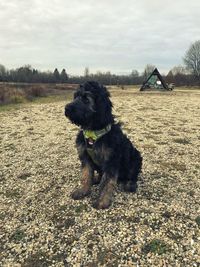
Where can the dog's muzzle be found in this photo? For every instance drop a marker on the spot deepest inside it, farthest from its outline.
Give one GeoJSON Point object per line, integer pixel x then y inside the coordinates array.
{"type": "Point", "coordinates": [69, 109]}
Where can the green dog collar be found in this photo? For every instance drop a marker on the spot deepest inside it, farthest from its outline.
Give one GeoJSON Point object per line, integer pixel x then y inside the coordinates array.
{"type": "Point", "coordinates": [94, 135]}
{"type": "Point", "coordinates": [90, 138]}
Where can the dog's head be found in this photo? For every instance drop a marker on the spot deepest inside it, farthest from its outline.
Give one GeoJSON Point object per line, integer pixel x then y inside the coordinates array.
{"type": "Point", "coordinates": [91, 107]}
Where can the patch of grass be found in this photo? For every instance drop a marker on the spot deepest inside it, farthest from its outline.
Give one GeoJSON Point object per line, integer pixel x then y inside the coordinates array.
{"type": "Point", "coordinates": [52, 98]}
{"type": "Point", "coordinates": [150, 136]}
{"type": "Point", "coordinates": [156, 132]}
{"type": "Point", "coordinates": [183, 141]}
{"type": "Point", "coordinates": [166, 214]}
{"type": "Point", "coordinates": [17, 99]}
{"type": "Point", "coordinates": [2, 178]}
{"type": "Point", "coordinates": [67, 223]}
{"type": "Point", "coordinates": [173, 165]}
{"type": "Point", "coordinates": [18, 236]}
{"type": "Point", "coordinates": [2, 216]}
{"type": "Point", "coordinates": [191, 193]}
{"type": "Point", "coordinates": [60, 257]}
{"type": "Point", "coordinates": [197, 220]}
{"type": "Point", "coordinates": [10, 147]}
{"type": "Point", "coordinates": [180, 190]}
{"type": "Point", "coordinates": [40, 258]}
{"type": "Point", "coordinates": [107, 257]}
{"type": "Point", "coordinates": [12, 193]}
{"type": "Point", "coordinates": [174, 235]}
{"type": "Point", "coordinates": [9, 107]}
{"type": "Point", "coordinates": [63, 220]}
{"type": "Point", "coordinates": [156, 246]}
{"type": "Point", "coordinates": [81, 208]}
{"type": "Point", "coordinates": [24, 176]}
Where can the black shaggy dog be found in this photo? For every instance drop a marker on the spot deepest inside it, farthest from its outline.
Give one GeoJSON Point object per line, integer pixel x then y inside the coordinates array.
{"type": "Point", "coordinates": [101, 145]}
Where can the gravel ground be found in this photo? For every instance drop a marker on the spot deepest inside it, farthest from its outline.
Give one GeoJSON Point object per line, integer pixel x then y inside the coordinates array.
{"type": "Point", "coordinates": [40, 225]}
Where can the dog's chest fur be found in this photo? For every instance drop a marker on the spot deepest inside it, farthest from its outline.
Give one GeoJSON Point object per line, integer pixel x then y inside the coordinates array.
{"type": "Point", "coordinates": [97, 153]}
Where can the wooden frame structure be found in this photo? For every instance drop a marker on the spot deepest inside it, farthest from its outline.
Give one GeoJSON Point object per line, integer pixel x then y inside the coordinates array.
{"type": "Point", "coordinates": [154, 81]}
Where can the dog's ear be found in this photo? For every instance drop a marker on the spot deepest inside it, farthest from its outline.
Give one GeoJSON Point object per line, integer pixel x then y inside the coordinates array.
{"type": "Point", "coordinates": [106, 96]}
{"type": "Point", "coordinates": [103, 98]}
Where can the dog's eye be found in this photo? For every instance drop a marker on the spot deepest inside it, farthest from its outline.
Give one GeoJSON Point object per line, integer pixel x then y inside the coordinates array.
{"type": "Point", "coordinates": [85, 100]}
{"type": "Point", "coordinates": [77, 97]}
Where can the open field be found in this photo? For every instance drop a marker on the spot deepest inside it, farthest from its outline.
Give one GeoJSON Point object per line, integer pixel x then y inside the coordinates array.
{"type": "Point", "coordinates": [40, 225]}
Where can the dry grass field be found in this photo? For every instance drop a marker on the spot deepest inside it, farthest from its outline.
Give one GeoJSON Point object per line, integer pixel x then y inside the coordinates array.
{"type": "Point", "coordinates": [15, 93]}
{"type": "Point", "coordinates": [40, 225]}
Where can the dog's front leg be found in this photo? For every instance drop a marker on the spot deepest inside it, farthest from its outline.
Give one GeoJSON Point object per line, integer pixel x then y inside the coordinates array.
{"type": "Point", "coordinates": [107, 189]}
{"type": "Point", "coordinates": [86, 182]}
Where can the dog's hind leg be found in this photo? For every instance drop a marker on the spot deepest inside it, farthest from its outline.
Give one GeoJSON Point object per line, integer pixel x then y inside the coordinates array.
{"type": "Point", "coordinates": [86, 182]}
{"type": "Point", "coordinates": [130, 185]}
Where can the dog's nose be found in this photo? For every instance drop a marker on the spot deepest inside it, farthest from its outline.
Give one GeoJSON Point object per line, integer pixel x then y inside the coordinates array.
{"type": "Point", "coordinates": [69, 108]}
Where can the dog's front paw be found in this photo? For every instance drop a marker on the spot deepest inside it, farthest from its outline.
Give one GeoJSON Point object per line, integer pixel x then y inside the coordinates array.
{"type": "Point", "coordinates": [80, 193]}
{"type": "Point", "coordinates": [102, 203]}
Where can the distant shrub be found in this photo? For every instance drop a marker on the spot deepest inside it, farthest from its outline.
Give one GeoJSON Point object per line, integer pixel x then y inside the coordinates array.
{"type": "Point", "coordinates": [2, 95]}
{"type": "Point", "coordinates": [20, 92]}
{"type": "Point", "coordinates": [36, 91]}
{"type": "Point", "coordinates": [11, 95]}
{"type": "Point", "coordinates": [15, 99]}
{"type": "Point", "coordinates": [14, 95]}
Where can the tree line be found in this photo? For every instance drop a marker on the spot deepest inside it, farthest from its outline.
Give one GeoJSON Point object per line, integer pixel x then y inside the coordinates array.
{"type": "Point", "coordinates": [27, 74]}
{"type": "Point", "coordinates": [187, 74]}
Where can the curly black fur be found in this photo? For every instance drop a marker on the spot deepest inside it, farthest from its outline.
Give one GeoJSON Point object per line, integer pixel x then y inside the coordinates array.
{"type": "Point", "coordinates": [119, 160]}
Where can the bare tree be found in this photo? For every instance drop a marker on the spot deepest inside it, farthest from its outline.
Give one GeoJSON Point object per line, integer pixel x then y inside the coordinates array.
{"type": "Point", "coordinates": [134, 74]}
{"type": "Point", "coordinates": [192, 59]}
{"type": "Point", "coordinates": [148, 70]}
{"type": "Point", "coordinates": [2, 72]}
{"type": "Point", "coordinates": [179, 70]}
{"type": "Point", "coordinates": [86, 72]}
{"type": "Point", "coordinates": [170, 77]}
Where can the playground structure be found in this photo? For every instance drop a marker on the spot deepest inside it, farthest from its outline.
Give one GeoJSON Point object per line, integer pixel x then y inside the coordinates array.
{"type": "Point", "coordinates": [155, 81]}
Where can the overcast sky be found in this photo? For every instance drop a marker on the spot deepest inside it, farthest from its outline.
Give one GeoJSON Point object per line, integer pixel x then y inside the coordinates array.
{"type": "Point", "coordinates": [103, 35]}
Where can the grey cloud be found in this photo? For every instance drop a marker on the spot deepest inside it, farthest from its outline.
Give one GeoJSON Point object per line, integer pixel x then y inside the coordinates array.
{"type": "Point", "coordinates": [104, 35]}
